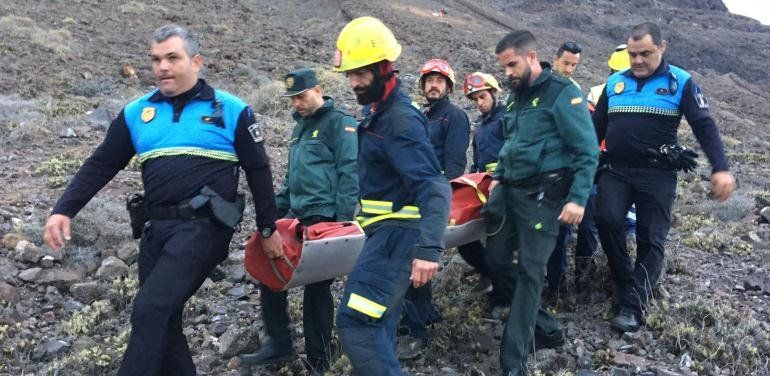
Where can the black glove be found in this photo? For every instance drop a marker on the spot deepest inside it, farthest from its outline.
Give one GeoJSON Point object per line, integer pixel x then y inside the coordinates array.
{"type": "Point", "coordinates": [676, 157]}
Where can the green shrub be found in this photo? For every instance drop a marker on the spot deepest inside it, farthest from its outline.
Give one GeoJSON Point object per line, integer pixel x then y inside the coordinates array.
{"type": "Point", "coordinates": [60, 166]}
{"type": "Point", "coordinates": [84, 320]}
{"type": "Point", "coordinates": [713, 333]}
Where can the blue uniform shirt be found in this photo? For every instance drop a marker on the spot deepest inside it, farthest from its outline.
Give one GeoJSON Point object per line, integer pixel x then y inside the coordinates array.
{"type": "Point", "coordinates": [396, 163]}
{"type": "Point", "coordinates": [634, 114]}
{"type": "Point", "coordinates": [449, 132]}
{"type": "Point", "coordinates": [488, 138]}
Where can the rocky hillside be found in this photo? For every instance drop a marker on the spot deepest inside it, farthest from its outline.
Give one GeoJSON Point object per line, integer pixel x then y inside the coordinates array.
{"type": "Point", "coordinates": [69, 66]}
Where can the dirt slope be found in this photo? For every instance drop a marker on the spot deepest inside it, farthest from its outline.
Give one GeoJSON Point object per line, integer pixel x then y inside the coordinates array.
{"type": "Point", "coordinates": [62, 82]}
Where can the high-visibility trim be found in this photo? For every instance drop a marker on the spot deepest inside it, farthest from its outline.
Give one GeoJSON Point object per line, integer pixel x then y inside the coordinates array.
{"type": "Point", "coordinates": [366, 306]}
{"type": "Point", "coordinates": [193, 151]}
{"type": "Point", "coordinates": [643, 110]}
{"type": "Point", "coordinates": [373, 211]}
{"type": "Point", "coordinates": [491, 167]}
{"type": "Point", "coordinates": [479, 193]}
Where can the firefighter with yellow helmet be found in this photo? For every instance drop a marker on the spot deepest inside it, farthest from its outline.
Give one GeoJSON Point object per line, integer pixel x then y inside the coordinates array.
{"type": "Point", "coordinates": [404, 200]}
{"type": "Point", "coordinates": [618, 61]}
{"type": "Point", "coordinates": [488, 137]}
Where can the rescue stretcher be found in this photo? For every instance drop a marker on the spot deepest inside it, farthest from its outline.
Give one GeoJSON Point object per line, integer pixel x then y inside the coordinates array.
{"type": "Point", "coordinates": [329, 249]}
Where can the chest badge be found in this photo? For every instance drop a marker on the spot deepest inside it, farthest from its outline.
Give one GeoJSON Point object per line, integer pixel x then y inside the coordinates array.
{"type": "Point", "coordinates": [619, 87]}
{"type": "Point", "coordinates": [535, 102]}
{"type": "Point", "coordinates": [315, 133]}
{"type": "Point", "coordinates": [148, 113]}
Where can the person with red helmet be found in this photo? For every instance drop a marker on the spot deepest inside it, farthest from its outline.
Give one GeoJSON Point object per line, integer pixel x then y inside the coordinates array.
{"type": "Point", "coordinates": [449, 132]}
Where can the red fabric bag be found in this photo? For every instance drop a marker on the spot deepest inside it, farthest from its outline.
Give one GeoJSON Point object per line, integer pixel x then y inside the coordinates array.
{"type": "Point", "coordinates": [276, 273]}
{"type": "Point", "coordinates": [469, 194]}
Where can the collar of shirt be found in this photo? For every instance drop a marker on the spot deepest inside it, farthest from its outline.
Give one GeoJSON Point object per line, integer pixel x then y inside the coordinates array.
{"type": "Point", "coordinates": [201, 91]}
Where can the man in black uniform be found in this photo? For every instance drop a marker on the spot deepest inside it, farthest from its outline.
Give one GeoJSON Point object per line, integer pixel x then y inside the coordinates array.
{"type": "Point", "coordinates": [190, 139]}
{"type": "Point", "coordinates": [638, 115]}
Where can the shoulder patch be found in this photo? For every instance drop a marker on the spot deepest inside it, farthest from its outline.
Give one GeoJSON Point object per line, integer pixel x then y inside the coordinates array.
{"type": "Point", "coordinates": [700, 99]}
{"type": "Point", "coordinates": [256, 133]}
{"type": "Point", "coordinates": [576, 101]}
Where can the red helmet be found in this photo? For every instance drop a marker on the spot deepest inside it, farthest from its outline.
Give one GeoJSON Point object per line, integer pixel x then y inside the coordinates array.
{"type": "Point", "coordinates": [439, 66]}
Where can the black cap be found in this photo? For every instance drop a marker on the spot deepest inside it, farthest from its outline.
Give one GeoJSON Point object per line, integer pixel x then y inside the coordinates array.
{"type": "Point", "coordinates": [299, 81]}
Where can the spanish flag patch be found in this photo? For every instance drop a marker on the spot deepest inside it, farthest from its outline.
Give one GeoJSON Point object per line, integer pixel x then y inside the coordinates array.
{"type": "Point", "coordinates": [577, 100]}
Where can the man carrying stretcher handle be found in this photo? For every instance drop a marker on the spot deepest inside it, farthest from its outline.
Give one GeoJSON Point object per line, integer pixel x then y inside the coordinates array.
{"type": "Point", "coordinates": [322, 155]}
{"type": "Point", "coordinates": [405, 200]}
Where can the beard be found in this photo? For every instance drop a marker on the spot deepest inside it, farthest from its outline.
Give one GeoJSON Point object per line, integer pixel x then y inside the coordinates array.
{"type": "Point", "coordinates": [370, 94]}
{"type": "Point", "coordinates": [440, 95]}
{"type": "Point", "coordinates": [517, 86]}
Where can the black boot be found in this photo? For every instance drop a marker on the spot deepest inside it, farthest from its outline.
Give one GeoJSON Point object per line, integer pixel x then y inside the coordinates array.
{"type": "Point", "coordinates": [625, 321]}
{"type": "Point", "coordinates": [270, 353]}
{"type": "Point", "coordinates": [548, 341]}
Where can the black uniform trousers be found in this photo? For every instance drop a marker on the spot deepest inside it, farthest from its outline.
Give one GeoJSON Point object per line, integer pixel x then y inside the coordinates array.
{"type": "Point", "coordinates": [473, 254]}
{"type": "Point", "coordinates": [175, 257]}
{"type": "Point", "coordinates": [653, 191]}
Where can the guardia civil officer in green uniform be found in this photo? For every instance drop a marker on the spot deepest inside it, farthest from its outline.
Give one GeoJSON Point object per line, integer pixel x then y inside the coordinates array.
{"type": "Point", "coordinates": [321, 185]}
{"type": "Point", "coordinates": [543, 176]}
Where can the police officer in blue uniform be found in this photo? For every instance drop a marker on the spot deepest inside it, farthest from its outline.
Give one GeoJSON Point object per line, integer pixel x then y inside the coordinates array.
{"type": "Point", "coordinates": [404, 200]}
{"type": "Point", "coordinates": [638, 115]}
{"type": "Point", "coordinates": [190, 139]}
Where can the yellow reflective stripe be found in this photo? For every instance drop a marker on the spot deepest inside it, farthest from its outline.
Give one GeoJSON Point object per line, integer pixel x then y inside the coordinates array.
{"type": "Point", "coordinates": [193, 151]}
{"type": "Point", "coordinates": [366, 306]}
{"type": "Point", "coordinates": [385, 207]}
{"type": "Point", "coordinates": [374, 211]}
{"type": "Point", "coordinates": [491, 167]}
{"type": "Point", "coordinates": [482, 197]}
{"type": "Point", "coordinates": [366, 221]}
{"type": "Point", "coordinates": [644, 110]}
{"type": "Point", "coordinates": [376, 207]}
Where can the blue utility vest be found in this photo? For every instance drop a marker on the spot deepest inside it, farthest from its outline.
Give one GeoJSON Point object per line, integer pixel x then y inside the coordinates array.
{"type": "Point", "coordinates": [661, 94]}
{"type": "Point", "coordinates": [204, 128]}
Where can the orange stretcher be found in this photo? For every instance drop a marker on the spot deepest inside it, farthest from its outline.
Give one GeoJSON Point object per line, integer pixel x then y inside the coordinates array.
{"type": "Point", "coordinates": [328, 250]}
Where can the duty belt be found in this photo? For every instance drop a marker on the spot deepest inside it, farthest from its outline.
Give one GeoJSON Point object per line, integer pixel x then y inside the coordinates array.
{"type": "Point", "coordinates": [545, 178]}
{"type": "Point", "coordinates": [180, 211]}
{"type": "Point", "coordinates": [373, 211]}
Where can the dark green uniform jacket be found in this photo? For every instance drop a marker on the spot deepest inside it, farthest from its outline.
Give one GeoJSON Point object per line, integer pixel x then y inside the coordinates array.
{"type": "Point", "coordinates": [547, 128]}
{"type": "Point", "coordinates": [322, 177]}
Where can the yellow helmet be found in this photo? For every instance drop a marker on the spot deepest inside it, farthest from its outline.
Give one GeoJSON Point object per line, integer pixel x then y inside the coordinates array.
{"type": "Point", "coordinates": [364, 41]}
{"type": "Point", "coordinates": [478, 81]}
{"type": "Point", "coordinates": [619, 60]}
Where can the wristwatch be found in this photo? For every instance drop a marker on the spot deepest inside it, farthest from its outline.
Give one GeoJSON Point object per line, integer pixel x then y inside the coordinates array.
{"type": "Point", "coordinates": [267, 230]}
